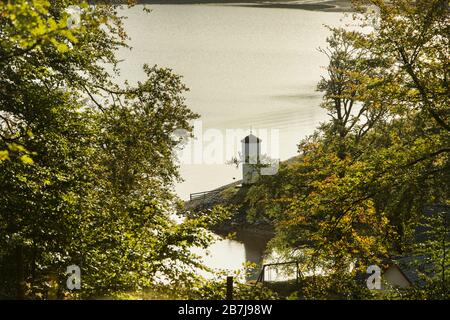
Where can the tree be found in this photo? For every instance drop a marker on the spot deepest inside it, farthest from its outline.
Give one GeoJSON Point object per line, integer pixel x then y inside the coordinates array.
{"type": "Point", "coordinates": [432, 246]}
{"type": "Point", "coordinates": [94, 184]}
{"type": "Point", "coordinates": [356, 191]}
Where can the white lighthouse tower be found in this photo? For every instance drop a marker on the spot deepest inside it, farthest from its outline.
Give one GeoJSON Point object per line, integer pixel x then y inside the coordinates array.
{"type": "Point", "coordinates": [251, 152]}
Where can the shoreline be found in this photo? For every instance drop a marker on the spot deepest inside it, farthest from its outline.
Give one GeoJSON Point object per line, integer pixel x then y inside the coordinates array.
{"type": "Point", "coordinates": [318, 5]}
{"type": "Point", "coordinates": [224, 229]}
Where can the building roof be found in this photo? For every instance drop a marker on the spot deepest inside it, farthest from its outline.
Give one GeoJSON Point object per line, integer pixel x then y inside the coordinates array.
{"type": "Point", "coordinates": [412, 266]}
{"type": "Point", "coordinates": [251, 138]}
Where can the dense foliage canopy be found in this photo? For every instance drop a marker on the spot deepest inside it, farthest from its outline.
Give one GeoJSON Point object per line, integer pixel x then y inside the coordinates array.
{"type": "Point", "coordinates": [356, 193]}
{"type": "Point", "coordinates": [86, 165]}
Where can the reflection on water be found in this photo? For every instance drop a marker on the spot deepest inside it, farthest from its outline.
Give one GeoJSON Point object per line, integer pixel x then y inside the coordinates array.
{"type": "Point", "coordinates": [231, 255]}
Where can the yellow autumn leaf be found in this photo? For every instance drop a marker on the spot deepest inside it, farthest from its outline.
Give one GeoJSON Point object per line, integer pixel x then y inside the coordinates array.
{"type": "Point", "coordinates": [4, 155]}
{"type": "Point", "coordinates": [26, 159]}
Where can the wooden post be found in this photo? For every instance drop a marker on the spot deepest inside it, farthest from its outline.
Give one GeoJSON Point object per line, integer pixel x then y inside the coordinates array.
{"type": "Point", "coordinates": [229, 288]}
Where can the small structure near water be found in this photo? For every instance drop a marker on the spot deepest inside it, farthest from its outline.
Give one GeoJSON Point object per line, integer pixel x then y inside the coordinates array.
{"type": "Point", "coordinates": [251, 162]}
{"type": "Point", "coordinates": [251, 169]}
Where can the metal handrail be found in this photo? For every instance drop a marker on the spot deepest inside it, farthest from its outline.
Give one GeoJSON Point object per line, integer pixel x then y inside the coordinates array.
{"type": "Point", "coordinates": [261, 276]}
{"type": "Point", "coordinates": [203, 194]}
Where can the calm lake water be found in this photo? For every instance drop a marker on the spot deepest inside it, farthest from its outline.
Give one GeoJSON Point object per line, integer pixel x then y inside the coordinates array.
{"type": "Point", "coordinates": [246, 68]}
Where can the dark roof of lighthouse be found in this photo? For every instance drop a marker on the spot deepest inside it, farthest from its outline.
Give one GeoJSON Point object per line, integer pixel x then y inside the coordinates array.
{"type": "Point", "coordinates": [251, 139]}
